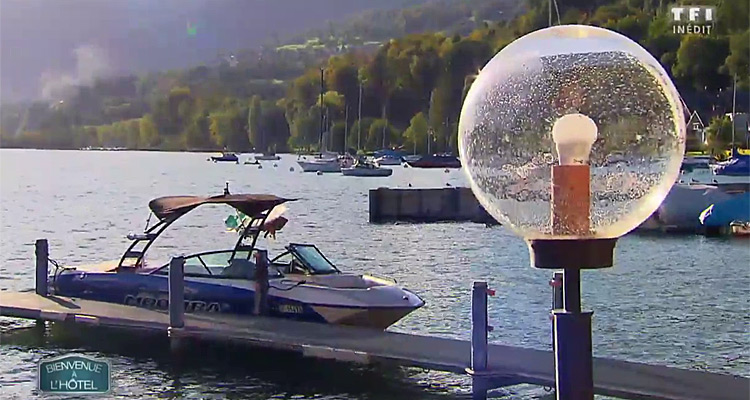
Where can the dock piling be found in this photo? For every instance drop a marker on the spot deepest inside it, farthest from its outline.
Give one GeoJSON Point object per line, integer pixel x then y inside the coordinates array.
{"type": "Point", "coordinates": [479, 347]}
{"type": "Point", "coordinates": [261, 282]}
{"type": "Point", "coordinates": [177, 292]}
{"type": "Point", "coordinates": [42, 266]}
{"type": "Point", "coordinates": [176, 300]}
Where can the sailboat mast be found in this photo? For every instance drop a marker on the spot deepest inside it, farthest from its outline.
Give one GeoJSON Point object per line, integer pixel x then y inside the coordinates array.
{"type": "Point", "coordinates": [346, 128]}
{"type": "Point", "coordinates": [320, 139]}
{"type": "Point", "coordinates": [549, 13]}
{"type": "Point", "coordinates": [359, 119]}
{"type": "Point", "coordinates": [734, 105]}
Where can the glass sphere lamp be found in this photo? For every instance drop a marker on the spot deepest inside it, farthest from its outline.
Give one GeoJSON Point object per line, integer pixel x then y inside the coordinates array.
{"type": "Point", "coordinates": [571, 137]}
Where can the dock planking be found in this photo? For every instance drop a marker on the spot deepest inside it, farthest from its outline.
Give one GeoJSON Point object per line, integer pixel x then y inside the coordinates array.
{"type": "Point", "coordinates": [507, 365]}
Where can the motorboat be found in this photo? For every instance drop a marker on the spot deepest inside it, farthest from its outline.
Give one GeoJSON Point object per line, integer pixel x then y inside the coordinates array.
{"type": "Point", "coordinates": [411, 158]}
{"type": "Point", "coordinates": [436, 161]}
{"type": "Point", "coordinates": [326, 162]}
{"type": "Point", "coordinates": [387, 160]}
{"type": "Point", "coordinates": [251, 162]}
{"type": "Point", "coordinates": [366, 169]}
{"type": "Point", "coordinates": [303, 284]}
{"type": "Point", "coordinates": [320, 165]}
{"type": "Point", "coordinates": [226, 157]}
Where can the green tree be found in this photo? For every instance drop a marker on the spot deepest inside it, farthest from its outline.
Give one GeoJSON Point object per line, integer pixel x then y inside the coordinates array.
{"type": "Point", "coordinates": [416, 134]}
{"type": "Point", "coordinates": [198, 135]}
{"type": "Point", "coordinates": [719, 134]}
{"type": "Point", "coordinates": [699, 60]}
{"type": "Point", "coordinates": [738, 61]}
{"type": "Point", "coordinates": [148, 135]}
{"type": "Point", "coordinates": [254, 124]}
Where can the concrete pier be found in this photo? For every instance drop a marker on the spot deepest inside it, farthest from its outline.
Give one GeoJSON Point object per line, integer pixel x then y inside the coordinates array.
{"type": "Point", "coordinates": [426, 205]}
{"type": "Point", "coordinates": [678, 213]}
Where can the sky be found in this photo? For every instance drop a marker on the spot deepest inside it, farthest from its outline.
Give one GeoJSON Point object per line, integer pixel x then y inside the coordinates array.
{"type": "Point", "coordinates": [48, 43]}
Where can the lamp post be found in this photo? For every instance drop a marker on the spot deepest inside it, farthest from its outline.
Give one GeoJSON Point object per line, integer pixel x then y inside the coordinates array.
{"type": "Point", "coordinates": [535, 132]}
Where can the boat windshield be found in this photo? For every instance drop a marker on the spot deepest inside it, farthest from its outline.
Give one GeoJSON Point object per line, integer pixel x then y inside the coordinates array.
{"type": "Point", "coordinates": [313, 259]}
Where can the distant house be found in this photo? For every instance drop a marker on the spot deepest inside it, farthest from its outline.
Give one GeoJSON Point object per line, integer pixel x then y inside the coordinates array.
{"type": "Point", "coordinates": [696, 129]}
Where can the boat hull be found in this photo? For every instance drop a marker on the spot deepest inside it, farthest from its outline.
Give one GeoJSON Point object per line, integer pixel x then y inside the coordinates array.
{"type": "Point", "coordinates": [387, 161]}
{"type": "Point", "coordinates": [317, 166]}
{"type": "Point", "coordinates": [225, 159]}
{"type": "Point", "coordinates": [434, 164]}
{"type": "Point", "coordinates": [367, 172]}
{"type": "Point", "coordinates": [377, 307]}
{"type": "Point", "coordinates": [267, 158]}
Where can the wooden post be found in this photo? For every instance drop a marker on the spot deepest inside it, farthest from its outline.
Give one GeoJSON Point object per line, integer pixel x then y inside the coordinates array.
{"type": "Point", "coordinates": [479, 339]}
{"type": "Point", "coordinates": [42, 266]}
{"type": "Point", "coordinates": [261, 282]}
{"type": "Point", "coordinates": [177, 293]}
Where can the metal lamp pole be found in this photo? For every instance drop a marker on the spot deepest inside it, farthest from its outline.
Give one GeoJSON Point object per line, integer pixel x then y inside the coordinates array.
{"type": "Point", "coordinates": [571, 326]}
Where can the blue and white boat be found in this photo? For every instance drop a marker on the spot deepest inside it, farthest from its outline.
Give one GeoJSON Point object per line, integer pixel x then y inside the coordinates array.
{"type": "Point", "coordinates": [226, 157]}
{"type": "Point", "coordinates": [303, 283]}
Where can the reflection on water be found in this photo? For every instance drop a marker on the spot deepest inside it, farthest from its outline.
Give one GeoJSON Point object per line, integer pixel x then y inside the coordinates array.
{"type": "Point", "coordinates": [670, 300]}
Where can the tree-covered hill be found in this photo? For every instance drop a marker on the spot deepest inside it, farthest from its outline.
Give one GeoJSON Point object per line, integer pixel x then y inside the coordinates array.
{"type": "Point", "coordinates": [411, 87]}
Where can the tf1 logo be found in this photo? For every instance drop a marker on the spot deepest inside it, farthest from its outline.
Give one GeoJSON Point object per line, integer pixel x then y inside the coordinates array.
{"type": "Point", "coordinates": [692, 19]}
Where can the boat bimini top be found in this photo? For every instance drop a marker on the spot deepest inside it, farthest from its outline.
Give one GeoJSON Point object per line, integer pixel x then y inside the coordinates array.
{"type": "Point", "coordinates": [256, 210]}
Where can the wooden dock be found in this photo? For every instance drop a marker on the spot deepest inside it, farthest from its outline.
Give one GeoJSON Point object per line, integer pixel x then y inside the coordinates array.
{"type": "Point", "coordinates": [506, 365]}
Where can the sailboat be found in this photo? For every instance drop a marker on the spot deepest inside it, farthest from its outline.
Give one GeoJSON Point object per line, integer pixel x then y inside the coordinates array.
{"type": "Point", "coordinates": [326, 161]}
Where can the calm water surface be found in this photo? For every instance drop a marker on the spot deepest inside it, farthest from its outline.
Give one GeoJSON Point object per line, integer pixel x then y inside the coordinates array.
{"type": "Point", "coordinates": [678, 301]}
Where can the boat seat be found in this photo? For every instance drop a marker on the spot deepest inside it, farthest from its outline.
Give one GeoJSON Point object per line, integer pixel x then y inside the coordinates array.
{"type": "Point", "coordinates": [239, 269]}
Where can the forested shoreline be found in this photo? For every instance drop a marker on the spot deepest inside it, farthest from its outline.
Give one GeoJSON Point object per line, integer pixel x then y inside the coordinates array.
{"type": "Point", "coordinates": [410, 88]}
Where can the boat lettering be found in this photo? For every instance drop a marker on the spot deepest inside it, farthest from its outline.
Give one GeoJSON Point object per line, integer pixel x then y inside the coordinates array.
{"type": "Point", "coordinates": [290, 309]}
{"type": "Point", "coordinates": [163, 304]}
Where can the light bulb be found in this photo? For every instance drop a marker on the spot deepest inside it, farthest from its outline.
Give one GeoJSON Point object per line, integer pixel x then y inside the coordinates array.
{"type": "Point", "coordinates": [574, 134]}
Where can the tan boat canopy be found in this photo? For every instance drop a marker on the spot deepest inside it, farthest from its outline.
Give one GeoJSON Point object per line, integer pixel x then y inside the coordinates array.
{"type": "Point", "coordinates": [249, 204]}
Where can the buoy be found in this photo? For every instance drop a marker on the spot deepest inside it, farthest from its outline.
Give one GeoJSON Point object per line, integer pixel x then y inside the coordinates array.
{"type": "Point", "coordinates": [275, 165]}
{"type": "Point", "coordinates": [291, 169]}
{"type": "Point", "coordinates": [320, 172]}
{"type": "Point", "coordinates": [447, 170]}
{"type": "Point", "coordinates": [260, 167]}
{"type": "Point", "coordinates": [410, 185]}
{"type": "Point", "coordinates": [447, 184]}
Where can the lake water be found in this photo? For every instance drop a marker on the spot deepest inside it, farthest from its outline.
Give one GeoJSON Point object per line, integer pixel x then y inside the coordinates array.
{"type": "Point", "coordinates": [679, 301]}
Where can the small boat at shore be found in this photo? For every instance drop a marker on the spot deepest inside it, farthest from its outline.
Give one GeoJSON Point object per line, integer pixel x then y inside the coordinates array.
{"type": "Point", "coordinates": [303, 284]}
{"type": "Point", "coordinates": [226, 157]}
{"type": "Point", "coordinates": [320, 165]}
{"type": "Point", "coordinates": [436, 161]}
{"type": "Point", "coordinates": [739, 228]}
{"type": "Point", "coordinates": [366, 169]}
